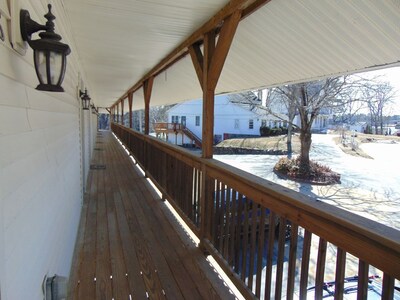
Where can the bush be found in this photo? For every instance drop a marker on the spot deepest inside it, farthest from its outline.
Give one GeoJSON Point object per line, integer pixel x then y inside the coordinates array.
{"type": "Point", "coordinates": [265, 131]}
{"type": "Point", "coordinates": [318, 173]}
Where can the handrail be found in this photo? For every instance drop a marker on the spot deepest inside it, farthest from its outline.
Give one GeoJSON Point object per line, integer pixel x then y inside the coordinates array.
{"type": "Point", "coordinates": [202, 190]}
{"type": "Point", "coordinates": [177, 127]}
{"type": "Point", "coordinates": [167, 126]}
{"type": "Point", "coordinates": [192, 136]}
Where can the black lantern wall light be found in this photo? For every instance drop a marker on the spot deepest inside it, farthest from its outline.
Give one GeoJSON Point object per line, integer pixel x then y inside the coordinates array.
{"type": "Point", "coordinates": [85, 99]}
{"type": "Point", "coordinates": [50, 55]}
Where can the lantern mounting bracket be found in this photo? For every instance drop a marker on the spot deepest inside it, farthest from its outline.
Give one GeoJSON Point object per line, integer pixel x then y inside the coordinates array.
{"type": "Point", "coordinates": [28, 26]}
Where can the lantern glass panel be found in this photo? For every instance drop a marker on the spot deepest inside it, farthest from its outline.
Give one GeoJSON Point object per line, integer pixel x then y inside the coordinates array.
{"type": "Point", "coordinates": [40, 62]}
{"type": "Point", "coordinates": [56, 64]}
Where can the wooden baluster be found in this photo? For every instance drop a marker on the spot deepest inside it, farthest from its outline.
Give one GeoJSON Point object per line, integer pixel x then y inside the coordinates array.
{"type": "Point", "coordinates": [340, 273]}
{"type": "Point", "coordinates": [387, 287]}
{"type": "Point", "coordinates": [194, 195]}
{"type": "Point", "coordinates": [281, 252]}
{"type": "Point", "coordinates": [227, 197]}
{"type": "Point", "coordinates": [245, 239]}
{"type": "Point", "coordinates": [233, 225]}
{"type": "Point", "coordinates": [260, 250]}
{"type": "Point", "coordinates": [270, 255]}
{"type": "Point", "coordinates": [239, 228]}
{"type": "Point", "coordinates": [362, 292]}
{"type": "Point", "coordinates": [292, 260]}
{"type": "Point", "coordinates": [221, 218]}
{"type": "Point", "coordinates": [254, 210]}
{"type": "Point", "coordinates": [319, 278]}
{"type": "Point", "coordinates": [217, 217]}
{"type": "Point", "coordinates": [305, 261]}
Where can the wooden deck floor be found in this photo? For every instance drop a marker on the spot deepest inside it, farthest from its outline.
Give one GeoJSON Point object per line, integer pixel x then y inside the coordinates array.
{"type": "Point", "coordinates": [129, 245]}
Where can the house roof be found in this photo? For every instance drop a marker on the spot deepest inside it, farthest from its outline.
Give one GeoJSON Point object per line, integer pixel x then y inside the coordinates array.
{"type": "Point", "coordinates": [282, 42]}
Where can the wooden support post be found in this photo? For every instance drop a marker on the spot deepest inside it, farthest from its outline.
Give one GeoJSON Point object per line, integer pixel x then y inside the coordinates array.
{"type": "Point", "coordinates": [108, 110]}
{"type": "Point", "coordinates": [208, 67]}
{"type": "Point", "coordinates": [130, 100]}
{"type": "Point", "coordinates": [122, 112]}
{"type": "Point", "coordinates": [147, 88]}
{"type": "Point", "coordinates": [117, 120]}
{"type": "Point", "coordinates": [208, 98]}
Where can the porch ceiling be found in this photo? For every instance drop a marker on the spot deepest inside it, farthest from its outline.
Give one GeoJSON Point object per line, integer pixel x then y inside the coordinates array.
{"type": "Point", "coordinates": [119, 41]}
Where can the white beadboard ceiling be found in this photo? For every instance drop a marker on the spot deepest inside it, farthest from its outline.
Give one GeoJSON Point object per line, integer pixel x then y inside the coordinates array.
{"type": "Point", "coordinates": [285, 41]}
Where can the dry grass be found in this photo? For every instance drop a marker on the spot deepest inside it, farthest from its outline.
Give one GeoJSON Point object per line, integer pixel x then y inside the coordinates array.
{"type": "Point", "coordinates": [279, 143]}
{"type": "Point", "coordinates": [264, 143]}
{"type": "Point", "coordinates": [362, 138]}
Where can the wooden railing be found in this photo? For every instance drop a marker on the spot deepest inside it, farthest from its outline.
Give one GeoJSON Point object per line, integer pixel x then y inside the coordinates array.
{"type": "Point", "coordinates": [176, 127]}
{"type": "Point", "coordinates": [167, 126]}
{"type": "Point", "coordinates": [273, 242]}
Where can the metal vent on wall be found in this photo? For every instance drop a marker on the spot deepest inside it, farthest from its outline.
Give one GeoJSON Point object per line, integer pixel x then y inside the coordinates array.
{"type": "Point", "coordinates": [97, 167]}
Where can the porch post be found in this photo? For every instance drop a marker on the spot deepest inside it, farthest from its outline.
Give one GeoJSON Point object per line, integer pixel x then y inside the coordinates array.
{"type": "Point", "coordinates": [130, 98]}
{"type": "Point", "coordinates": [208, 97]}
{"type": "Point", "coordinates": [208, 67]}
{"type": "Point", "coordinates": [147, 88]}
{"type": "Point", "coordinates": [122, 112]}
{"type": "Point", "coordinates": [117, 121]}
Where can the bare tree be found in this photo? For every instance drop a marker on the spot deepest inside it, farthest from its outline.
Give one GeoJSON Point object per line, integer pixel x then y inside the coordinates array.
{"type": "Point", "coordinates": [349, 110]}
{"type": "Point", "coordinates": [377, 96]}
{"type": "Point", "coordinates": [309, 99]}
{"type": "Point", "coordinates": [284, 95]}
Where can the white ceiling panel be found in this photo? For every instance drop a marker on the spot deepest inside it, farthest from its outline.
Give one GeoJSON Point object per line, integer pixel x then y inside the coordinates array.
{"type": "Point", "coordinates": [283, 42]}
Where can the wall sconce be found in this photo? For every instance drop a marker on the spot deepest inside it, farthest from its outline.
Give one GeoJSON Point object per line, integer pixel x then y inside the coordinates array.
{"type": "Point", "coordinates": [85, 99]}
{"type": "Point", "coordinates": [94, 110]}
{"type": "Point", "coordinates": [49, 54]}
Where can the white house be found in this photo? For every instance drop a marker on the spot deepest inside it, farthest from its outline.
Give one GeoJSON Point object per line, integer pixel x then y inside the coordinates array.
{"type": "Point", "coordinates": [231, 119]}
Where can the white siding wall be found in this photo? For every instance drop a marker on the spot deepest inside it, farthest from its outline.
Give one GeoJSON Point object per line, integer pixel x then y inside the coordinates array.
{"type": "Point", "coordinates": [225, 115]}
{"type": "Point", "coordinates": [40, 168]}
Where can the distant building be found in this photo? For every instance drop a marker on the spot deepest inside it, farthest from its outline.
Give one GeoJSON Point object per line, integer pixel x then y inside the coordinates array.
{"type": "Point", "coordinates": [235, 116]}
{"type": "Point", "coordinates": [232, 119]}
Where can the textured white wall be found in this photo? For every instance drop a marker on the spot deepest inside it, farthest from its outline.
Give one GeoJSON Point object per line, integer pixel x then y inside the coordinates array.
{"type": "Point", "coordinates": [40, 168]}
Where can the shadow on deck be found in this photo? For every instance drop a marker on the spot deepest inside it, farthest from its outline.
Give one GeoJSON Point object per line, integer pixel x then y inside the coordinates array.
{"type": "Point", "coordinates": [130, 245]}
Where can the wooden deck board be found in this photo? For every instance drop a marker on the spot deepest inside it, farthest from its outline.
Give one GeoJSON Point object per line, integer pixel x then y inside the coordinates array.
{"type": "Point", "coordinates": [130, 243]}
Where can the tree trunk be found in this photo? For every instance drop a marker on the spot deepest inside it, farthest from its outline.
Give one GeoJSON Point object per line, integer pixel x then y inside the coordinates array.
{"type": "Point", "coordinates": [289, 142]}
{"type": "Point", "coordinates": [305, 139]}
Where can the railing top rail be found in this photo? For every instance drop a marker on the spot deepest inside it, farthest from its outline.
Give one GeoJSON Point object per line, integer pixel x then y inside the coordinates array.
{"type": "Point", "coordinates": [176, 151]}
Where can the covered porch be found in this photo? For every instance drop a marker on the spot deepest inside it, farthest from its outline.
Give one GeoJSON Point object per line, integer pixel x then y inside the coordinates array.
{"type": "Point", "coordinates": [130, 245]}
{"type": "Point", "coordinates": [131, 55]}
{"type": "Point", "coordinates": [270, 241]}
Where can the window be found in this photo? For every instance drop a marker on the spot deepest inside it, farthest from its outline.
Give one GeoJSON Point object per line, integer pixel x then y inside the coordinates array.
{"type": "Point", "coordinates": [251, 124]}
{"type": "Point", "coordinates": [197, 120]}
{"type": "Point", "coordinates": [236, 126]}
{"type": "Point", "coordinates": [175, 119]}
{"type": "Point", "coordinates": [263, 123]}
{"type": "Point", "coordinates": [183, 120]}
